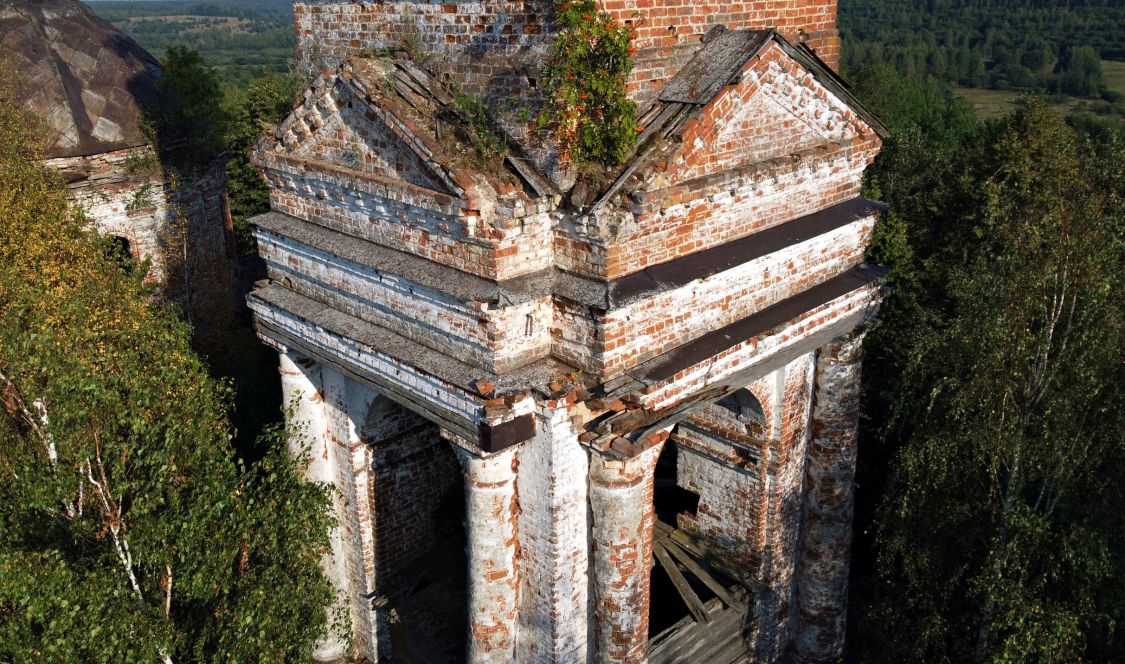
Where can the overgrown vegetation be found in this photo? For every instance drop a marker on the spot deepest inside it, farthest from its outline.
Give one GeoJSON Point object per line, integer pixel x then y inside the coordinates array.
{"type": "Point", "coordinates": [129, 530]}
{"type": "Point", "coordinates": [188, 125]}
{"type": "Point", "coordinates": [991, 458]}
{"type": "Point", "coordinates": [264, 105]}
{"type": "Point", "coordinates": [480, 125]}
{"type": "Point", "coordinates": [591, 58]}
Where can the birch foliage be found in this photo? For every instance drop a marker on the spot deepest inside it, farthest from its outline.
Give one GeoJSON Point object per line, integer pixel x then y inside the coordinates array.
{"type": "Point", "coordinates": [129, 530]}
{"type": "Point", "coordinates": [999, 536]}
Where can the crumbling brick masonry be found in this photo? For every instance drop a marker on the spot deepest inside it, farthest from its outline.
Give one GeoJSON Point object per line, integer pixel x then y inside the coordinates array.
{"type": "Point", "coordinates": [644, 383]}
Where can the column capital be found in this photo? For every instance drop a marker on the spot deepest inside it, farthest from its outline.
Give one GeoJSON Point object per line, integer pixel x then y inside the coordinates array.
{"type": "Point", "coordinates": [483, 469]}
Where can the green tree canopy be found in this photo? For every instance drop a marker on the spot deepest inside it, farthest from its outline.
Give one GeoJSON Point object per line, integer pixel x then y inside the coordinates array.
{"type": "Point", "coordinates": [189, 123]}
{"type": "Point", "coordinates": [129, 530]}
{"type": "Point", "coordinates": [999, 535]}
{"type": "Point", "coordinates": [268, 100]}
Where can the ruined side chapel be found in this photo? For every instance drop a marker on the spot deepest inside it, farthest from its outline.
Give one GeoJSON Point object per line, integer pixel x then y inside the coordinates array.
{"type": "Point", "coordinates": [575, 417]}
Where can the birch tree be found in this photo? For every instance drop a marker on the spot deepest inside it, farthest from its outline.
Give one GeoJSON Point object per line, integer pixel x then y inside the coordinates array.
{"type": "Point", "coordinates": [129, 530]}
{"type": "Point", "coordinates": [1000, 537]}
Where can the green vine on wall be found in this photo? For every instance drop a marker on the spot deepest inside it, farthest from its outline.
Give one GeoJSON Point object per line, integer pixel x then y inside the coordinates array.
{"type": "Point", "coordinates": [585, 80]}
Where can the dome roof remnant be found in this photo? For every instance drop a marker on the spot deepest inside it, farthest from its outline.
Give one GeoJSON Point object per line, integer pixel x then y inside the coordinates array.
{"type": "Point", "coordinates": [87, 80]}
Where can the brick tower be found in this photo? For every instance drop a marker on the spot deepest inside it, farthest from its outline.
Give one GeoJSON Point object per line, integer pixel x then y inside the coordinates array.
{"type": "Point", "coordinates": [611, 421]}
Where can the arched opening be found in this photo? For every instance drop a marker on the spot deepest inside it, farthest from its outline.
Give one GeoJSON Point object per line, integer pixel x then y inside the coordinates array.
{"type": "Point", "coordinates": [706, 497]}
{"type": "Point", "coordinates": [119, 251]}
{"type": "Point", "coordinates": [744, 407]}
{"type": "Point", "coordinates": [419, 538]}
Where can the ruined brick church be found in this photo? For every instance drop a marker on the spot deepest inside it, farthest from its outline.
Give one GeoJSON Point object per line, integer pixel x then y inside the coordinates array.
{"type": "Point", "coordinates": [575, 419]}
{"type": "Point", "coordinates": [92, 85]}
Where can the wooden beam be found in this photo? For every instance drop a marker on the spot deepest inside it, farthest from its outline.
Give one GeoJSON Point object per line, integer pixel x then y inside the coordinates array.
{"type": "Point", "coordinates": [700, 571]}
{"type": "Point", "coordinates": [703, 551]}
{"type": "Point", "coordinates": [690, 598]}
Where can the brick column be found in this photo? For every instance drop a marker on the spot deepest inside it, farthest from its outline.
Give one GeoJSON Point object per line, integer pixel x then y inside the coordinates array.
{"type": "Point", "coordinates": [301, 396]}
{"type": "Point", "coordinates": [623, 516]}
{"type": "Point", "coordinates": [783, 489]}
{"type": "Point", "coordinates": [345, 404]}
{"type": "Point", "coordinates": [822, 578]}
{"type": "Point", "coordinates": [493, 581]}
{"type": "Point", "coordinates": [554, 546]}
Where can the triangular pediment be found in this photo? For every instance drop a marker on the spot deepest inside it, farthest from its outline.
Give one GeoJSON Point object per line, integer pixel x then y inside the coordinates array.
{"type": "Point", "coordinates": [335, 125]}
{"type": "Point", "coordinates": [747, 97]}
{"type": "Point", "coordinates": [775, 107]}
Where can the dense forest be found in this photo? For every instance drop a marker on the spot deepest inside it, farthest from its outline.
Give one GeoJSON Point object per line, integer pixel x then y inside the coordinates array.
{"type": "Point", "coordinates": [998, 44]}
{"type": "Point", "coordinates": [991, 465]}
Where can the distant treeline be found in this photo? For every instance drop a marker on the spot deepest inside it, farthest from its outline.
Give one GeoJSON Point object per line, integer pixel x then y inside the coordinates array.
{"type": "Point", "coordinates": [1053, 45]}
{"type": "Point", "coordinates": [262, 41]}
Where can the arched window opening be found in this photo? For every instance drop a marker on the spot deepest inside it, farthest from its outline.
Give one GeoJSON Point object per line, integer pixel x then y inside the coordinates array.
{"type": "Point", "coordinates": [119, 251]}
{"type": "Point", "coordinates": [744, 406]}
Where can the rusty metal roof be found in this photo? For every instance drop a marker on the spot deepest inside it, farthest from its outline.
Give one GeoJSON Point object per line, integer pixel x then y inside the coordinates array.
{"type": "Point", "coordinates": [85, 78]}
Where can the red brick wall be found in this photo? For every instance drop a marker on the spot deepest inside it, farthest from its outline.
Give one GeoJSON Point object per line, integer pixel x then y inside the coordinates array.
{"type": "Point", "coordinates": [668, 31]}
{"type": "Point", "coordinates": [341, 133]}
{"type": "Point", "coordinates": [494, 46]}
{"type": "Point", "coordinates": [416, 476]}
{"type": "Point", "coordinates": [645, 329]}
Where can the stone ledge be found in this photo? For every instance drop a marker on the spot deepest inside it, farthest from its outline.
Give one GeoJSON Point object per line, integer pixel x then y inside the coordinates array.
{"type": "Point", "coordinates": [381, 341]}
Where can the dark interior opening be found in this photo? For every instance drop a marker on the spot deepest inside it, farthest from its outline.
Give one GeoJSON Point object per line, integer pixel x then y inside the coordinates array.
{"type": "Point", "coordinates": [119, 251]}
{"type": "Point", "coordinates": [669, 499]}
{"type": "Point", "coordinates": [419, 514]}
{"type": "Point", "coordinates": [666, 605]}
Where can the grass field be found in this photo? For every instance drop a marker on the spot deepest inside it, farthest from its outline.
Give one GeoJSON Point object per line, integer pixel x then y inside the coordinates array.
{"type": "Point", "coordinates": [1114, 75]}
{"type": "Point", "coordinates": [990, 103]}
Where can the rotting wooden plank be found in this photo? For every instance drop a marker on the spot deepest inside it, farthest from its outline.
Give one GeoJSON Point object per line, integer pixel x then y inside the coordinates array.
{"type": "Point", "coordinates": [657, 123]}
{"type": "Point", "coordinates": [421, 103]}
{"type": "Point", "coordinates": [699, 571]}
{"type": "Point", "coordinates": [690, 641]}
{"type": "Point", "coordinates": [714, 66]}
{"type": "Point", "coordinates": [704, 552]}
{"type": "Point", "coordinates": [682, 586]}
{"type": "Point", "coordinates": [426, 81]}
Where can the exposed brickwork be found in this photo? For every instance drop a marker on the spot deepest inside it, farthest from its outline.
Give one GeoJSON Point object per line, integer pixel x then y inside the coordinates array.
{"type": "Point", "coordinates": [343, 135]}
{"type": "Point", "coordinates": [553, 554]}
{"type": "Point", "coordinates": [723, 365]}
{"type": "Point", "coordinates": [778, 109]}
{"type": "Point", "coordinates": [345, 405]}
{"type": "Point", "coordinates": [124, 194]}
{"type": "Point", "coordinates": [415, 473]}
{"type": "Point", "coordinates": [641, 331]}
{"type": "Point", "coordinates": [476, 40]}
{"type": "Point", "coordinates": [301, 394]}
{"type": "Point", "coordinates": [497, 47]}
{"type": "Point", "coordinates": [822, 595]}
{"type": "Point", "coordinates": [496, 339]}
{"type": "Point", "coordinates": [491, 512]}
{"type": "Point", "coordinates": [719, 459]}
{"type": "Point", "coordinates": [783, 503]}
{"type": "Point", "coordinates": [405, 217]}
{"type": "Point", "coordinates": [550, 340]}
{"type": "Point", "coordinates": [623, 518]}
